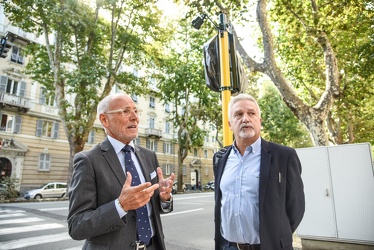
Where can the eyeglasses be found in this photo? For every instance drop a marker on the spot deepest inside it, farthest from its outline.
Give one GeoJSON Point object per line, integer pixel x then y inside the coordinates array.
{"type": "Point", "coordinates": [126, 112]}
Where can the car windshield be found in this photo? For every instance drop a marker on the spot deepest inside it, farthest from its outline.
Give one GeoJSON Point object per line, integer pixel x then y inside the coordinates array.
{"type": "Point", "coordinates": [43, 185]}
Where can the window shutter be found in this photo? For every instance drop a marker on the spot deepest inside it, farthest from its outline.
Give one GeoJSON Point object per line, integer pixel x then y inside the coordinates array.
{"type": "Point", "coordinates": [56, 127]}
{"type": "Point", "coordinates": [164, 148]}
{"type": "Point", "coordinates": [91, 137]}
{"type": "Point", "coordinates": [17, 127]}
{"type": "Point", "coordinates": [22, 89]}
{"type": "Point", "coordinates": [42, 96]}
{"type": "Point", "coordinates": [156, 145]}
{"type": "Point", "coordinates": [39, 127]}
{"type": "Point", "coordinates": [3, 83]}
{"type": "Point", "coordinates": [147, 143]}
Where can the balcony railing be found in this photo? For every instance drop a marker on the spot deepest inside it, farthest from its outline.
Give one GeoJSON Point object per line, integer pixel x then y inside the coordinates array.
{"type": "Point", "coordinates": [153, 132]}
{"type": "Point", "coordinates": [19, 102]}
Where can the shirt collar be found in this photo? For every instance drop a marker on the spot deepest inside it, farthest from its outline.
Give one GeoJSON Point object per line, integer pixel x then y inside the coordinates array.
{"type": "Point", "coordinates": [117, 145]}
{"type": "Point", "coordinates": [256, 147]}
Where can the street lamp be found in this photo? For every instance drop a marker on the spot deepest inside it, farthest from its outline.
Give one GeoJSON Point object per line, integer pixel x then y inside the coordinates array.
{"type": "Point", "coordinates": [224, 69]}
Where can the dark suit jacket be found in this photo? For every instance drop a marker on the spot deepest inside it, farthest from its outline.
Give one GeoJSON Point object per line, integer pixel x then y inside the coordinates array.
{"type": "Point", "coordinates": [96, 183]}
{"type": "Point", "coordinates": [281, 204]}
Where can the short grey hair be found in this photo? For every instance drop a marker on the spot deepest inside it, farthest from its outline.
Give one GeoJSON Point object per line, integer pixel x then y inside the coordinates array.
{"type": "Point", "coordinates": [103, 105]}
{"type": "Point", "coordinates": [243, 97]}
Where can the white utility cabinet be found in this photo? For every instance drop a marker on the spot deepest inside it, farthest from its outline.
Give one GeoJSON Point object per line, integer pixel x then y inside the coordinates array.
{"type": "Point", "coordinates": [339, 193]}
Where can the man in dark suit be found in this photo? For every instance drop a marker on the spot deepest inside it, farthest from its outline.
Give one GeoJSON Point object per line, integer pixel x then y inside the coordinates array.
{"type": "Point", "coordinates": [259, 197]}
{"type": "Point", "coordinates": [105, 199]}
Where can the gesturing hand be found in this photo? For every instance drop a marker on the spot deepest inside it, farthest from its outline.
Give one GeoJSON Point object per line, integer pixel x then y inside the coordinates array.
{"type": "Point", "coordinates": [165, 185]}
{"type": "Point", "coordinates": [132, 198]}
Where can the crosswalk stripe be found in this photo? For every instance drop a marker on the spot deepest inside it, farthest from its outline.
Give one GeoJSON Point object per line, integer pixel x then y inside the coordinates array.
{"type": "Point", "coordinates": [25, 220]}
{"type": "Point", "coordinates": [23, 229]}
{"type": "Point", "coordinates": [10, 211]}
{"type": "Point", "coordinates": [32, 241]}
{"type": "Point", "coordinates": [11, 215]}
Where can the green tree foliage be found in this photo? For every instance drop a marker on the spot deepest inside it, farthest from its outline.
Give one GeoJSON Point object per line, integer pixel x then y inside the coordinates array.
{"type": "Point", "coordinates": [182, 84]}
{"type": "Point", "coordinates": [279, 124]}
{"type": "Point", "coordinates": [85, 51]}
{"type": "Point", "coordinates": [349, 26]}
{"type": "Point", "coordinates": [318, 54]}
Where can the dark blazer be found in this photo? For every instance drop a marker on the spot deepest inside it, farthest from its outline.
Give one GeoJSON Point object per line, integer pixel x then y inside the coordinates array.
{"type": "Point", "coordinates": [96, 183]}
{"type": "Point", "coordinates": [281, 205]}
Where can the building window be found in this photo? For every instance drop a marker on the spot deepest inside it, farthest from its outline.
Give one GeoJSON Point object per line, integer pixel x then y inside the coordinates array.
{"type": "Point", "coordinates": [11, 86]}
{"type": "Point", "coordinates": [167, 148]}
{"type": "Point", "coordinates": [168, 169]}
{"type": "Point", "coordinates": [152, 121]}
{"type": "Point", "coordinates": [17, 55]}
{"type": "Point", "coordinates": [213, 138]}
{"type": "Point", "coordinates": [205, 153]}
{"type": "Point", "coordinates": [206, 139]}
{"type": "Point", "coordinates": [47, 128]}
{"type": "Point", "coordinates": [44, 162]}
{"type": "Point", "coordinates": [47, 98]}
{"type": "Point", "coordinates": [137, 141]}
{"type": "Point", "coordinates": [167, 127]}
{"type": "Point", "coordinates": [152, 102]}
{"type": "Point", "coordinates": [91, 137]}
{"type": "Point", "coordinates": [167, 107]}
{"type": "Point", "coordinates": [134, 97]}
{"type": "Point", "coordinates": [10, 123]}
{"type": "Point", "coordinates": [151, 144]}
{"type": "Point", "coordinates": [184, 170]}
{"type": "Point", "coordinates": [195, 152]}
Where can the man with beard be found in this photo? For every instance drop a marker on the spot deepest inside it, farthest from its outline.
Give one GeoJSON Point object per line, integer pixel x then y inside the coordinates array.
{"type": "Point", "coordinates": [259, 197]}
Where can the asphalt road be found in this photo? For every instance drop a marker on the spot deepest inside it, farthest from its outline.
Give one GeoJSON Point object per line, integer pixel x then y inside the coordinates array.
{"type": "Point", "coordinates": [42, 225]}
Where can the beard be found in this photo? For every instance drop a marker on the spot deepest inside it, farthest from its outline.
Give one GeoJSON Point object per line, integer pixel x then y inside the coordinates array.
{"type": "Point", "coordinates": [247, 132]}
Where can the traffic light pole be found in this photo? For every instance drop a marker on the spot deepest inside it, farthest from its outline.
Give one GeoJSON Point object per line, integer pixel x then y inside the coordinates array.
{"type": "Point", "coordinates": [225, 78]}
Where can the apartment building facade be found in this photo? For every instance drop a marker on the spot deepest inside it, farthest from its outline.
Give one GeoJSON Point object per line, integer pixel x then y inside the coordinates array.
{"type": "Point", "coordinates": [34, 148]}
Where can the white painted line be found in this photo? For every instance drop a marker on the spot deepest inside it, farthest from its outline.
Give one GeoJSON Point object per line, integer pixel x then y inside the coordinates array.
{"type": "Point", "coordinates": [74, 248]}
{"type": "Point", "coordinates": [11, 215]}
{"type": "Point", "coordinates": [24, 220]}
{"type": "Point", "coordinates": [32, 241]}
{"type": "Point", "coordinates": [11, 211]}
{"type": "Point", "coordinates": [53, 209]}
{"type": "Point", "coordinates": [14, 230]}
{"type": "Point", "coordinates": [183, 212]}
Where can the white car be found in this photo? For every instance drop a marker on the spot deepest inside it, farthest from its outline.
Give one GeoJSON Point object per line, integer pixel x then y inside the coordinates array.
{"type": "Point", "coordinates": [49, 190]}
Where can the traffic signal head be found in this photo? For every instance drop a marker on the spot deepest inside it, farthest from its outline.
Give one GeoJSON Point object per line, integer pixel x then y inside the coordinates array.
{"type": "Point", "coordinates": [5, 47]}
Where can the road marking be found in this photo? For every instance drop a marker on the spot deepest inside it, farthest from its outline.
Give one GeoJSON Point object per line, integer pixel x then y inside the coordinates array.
{"type": "Point", "coordinates": [53, 209]}
{"type": "Point", "coordinates": [183, 212]}
{"type": "Point", "coordinates": [32, 241]}
{"type": "Point", "coordinates": [14, 230]}
{"type": "Point", "coordinates": [25, 220]}
{"type": "Point", "coordinates": [11, 215]}
{"type": "Point", "coordinates": [11, 211]}
{"type": "Point", "coordinates": [74, 248]}
{"type": "Point", "coordinates": [193, 197]}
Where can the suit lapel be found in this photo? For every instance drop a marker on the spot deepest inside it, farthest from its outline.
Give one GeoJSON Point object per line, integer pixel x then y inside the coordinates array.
{"type": "Point", "coordinates": [143, 163]}
{"type": "Point", "coordinates": [264, 170]}
{"type": "Point", "coordinates": [111, 157]}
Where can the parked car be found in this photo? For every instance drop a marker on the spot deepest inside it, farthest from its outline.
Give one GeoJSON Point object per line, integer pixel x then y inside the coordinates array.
{"type": "Point", "coordinates": [209, 185]}
{"type": "Point", "coordinates": [49, 190]}
{"type": "Point", "coordinates": [175, 187]}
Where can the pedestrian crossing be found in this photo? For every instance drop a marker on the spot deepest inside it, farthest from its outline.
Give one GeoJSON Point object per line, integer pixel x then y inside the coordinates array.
{"type": "Point", "coordinates": [20, 231]}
